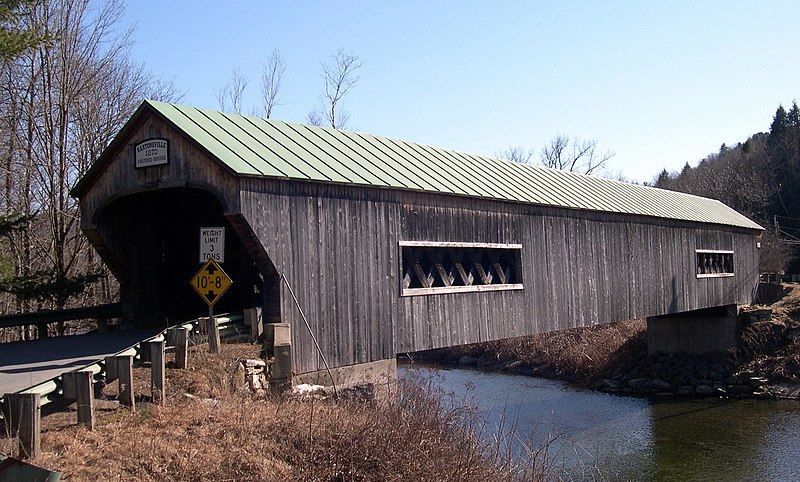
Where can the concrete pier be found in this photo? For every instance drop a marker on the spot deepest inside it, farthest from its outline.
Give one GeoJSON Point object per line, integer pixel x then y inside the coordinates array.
{"type": "Point", "coordinates": [700, 331]}
{"type": "Point", "coordinates": [378, 373]}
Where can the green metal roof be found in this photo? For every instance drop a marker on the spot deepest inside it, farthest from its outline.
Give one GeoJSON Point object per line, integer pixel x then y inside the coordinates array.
{"type": "Point", "coordinates": [254, 146]}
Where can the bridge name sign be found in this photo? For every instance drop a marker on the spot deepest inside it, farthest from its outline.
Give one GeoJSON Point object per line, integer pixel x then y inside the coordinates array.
{"type": "Point", "coordinates": [152, 152]}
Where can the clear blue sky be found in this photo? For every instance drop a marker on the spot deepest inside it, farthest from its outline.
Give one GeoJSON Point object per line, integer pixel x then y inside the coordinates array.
{"type": "Point", "coordinates": [660, 83]}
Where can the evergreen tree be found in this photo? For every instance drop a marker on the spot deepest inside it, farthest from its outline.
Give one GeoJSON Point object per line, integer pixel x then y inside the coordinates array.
{"type": "Point", "coordinates": [777, 130]}
{"type": "Point", "coordinates": [793, 118]}
{"type": "Point", "coordinates": [15, 36]}
{"type": "Point", "coordinates": [663, 180]}
{"type": "Point", "coordinates": [793, 134]}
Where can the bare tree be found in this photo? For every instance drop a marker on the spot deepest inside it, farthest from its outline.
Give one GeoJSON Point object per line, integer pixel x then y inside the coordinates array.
{"type": "Point", "coordinates": [574, 155]}
{"type": "Point", "coordinates": [776, 254]}
{"type": "Point", "coordinates": [340, 76]}
{"type": "Point", "coordinates": [229, 96]}
{"type": "Point", "coordinates": [271, 77]}
{"type": "Point", "coordinates": [61, 102]}
{"type": "Point", "coordinates": [316, 118]}
{"type": "Point", "coordinates": [518, 154]}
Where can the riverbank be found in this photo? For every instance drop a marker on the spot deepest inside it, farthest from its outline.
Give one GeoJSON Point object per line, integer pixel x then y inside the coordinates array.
{"type": "Point", "coordinates": [613, 358]}
{"type": "Point", "coordinates": [212, 426]}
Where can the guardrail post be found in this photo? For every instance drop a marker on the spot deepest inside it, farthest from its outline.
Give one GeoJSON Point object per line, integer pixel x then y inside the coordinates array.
{"type": "Point", "coordinates": [169, 335]}
{"type": "Point", "coordinates": [252, 318]}
{"type": "Point", "coordinates": [157, 377]}
{"type": "Point", "coordinates": [85, 393]}
{"type": "Point", "coordinates": [68, 385]}
{"type": "Point", "coordinates": [111, 369]}
{"type": "Point", "coordinates": [213, 335]}
{"type": "Point", "coordinates": [144, 351]}
{"type": "Point", "coordinates": [181, 347]}
{"type": "Point", "coordinates": [125, 373]}
{"type": "Point", "coordinates": [202, 325]}
{"type": "Point", "coordinates": [24, 416]}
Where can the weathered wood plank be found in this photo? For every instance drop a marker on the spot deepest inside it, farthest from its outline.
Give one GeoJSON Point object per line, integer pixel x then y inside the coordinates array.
{"type": "Point", "coordinates": [84, 388]}
{"type": "Point", "coordinates": [23, 411]}
{"type": "Point", "coordinates": [578, 268]}
{"type": "Point", "coordinates": [181, 348]}
{"type": "Point", "coordinates": [157, 372]}
{"type": "Point", "coordinates": [125, 374]}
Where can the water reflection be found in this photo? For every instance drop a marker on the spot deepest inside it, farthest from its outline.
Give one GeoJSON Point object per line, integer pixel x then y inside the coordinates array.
{"type": "Point", "coordinates": [726, 440]}
{"type": "Point", "coordinates": [596, 435]}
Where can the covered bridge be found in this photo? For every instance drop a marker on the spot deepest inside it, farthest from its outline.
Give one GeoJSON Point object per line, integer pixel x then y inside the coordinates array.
{"type": "Point", "coordinates": [391, 246]}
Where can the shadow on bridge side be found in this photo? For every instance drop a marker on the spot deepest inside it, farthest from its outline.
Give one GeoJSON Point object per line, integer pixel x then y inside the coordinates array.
{"type": "Point", "coordinates": [700, 331]}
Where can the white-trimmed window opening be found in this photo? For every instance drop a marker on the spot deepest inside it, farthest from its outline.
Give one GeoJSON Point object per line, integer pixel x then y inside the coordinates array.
{"type": "Point", "coordinates": [431, 267]}
{"type": "Point", "coordinates": [712, 263]}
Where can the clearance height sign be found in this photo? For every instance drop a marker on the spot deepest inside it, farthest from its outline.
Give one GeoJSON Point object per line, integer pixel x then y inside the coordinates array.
{"type": "Point", "coordinates": [211, 282]}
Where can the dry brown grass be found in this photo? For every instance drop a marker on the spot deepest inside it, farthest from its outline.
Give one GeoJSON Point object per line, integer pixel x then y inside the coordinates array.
{"type": "Point", "coordinates": [577, 354]}
{"type": "Point", "coordinates": [582, 354]}
{"type": "Point", "coordinates": [225, 433]}
{"type": "Point", "coordinates": [772, 348]}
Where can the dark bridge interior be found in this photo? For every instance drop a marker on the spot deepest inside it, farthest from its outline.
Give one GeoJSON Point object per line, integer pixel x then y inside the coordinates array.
{"type": "Point", "coordinates": [153, 249]}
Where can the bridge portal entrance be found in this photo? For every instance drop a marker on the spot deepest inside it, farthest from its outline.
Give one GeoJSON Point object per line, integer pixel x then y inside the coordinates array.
{"type": "Point", "coordinates": [151, 242]}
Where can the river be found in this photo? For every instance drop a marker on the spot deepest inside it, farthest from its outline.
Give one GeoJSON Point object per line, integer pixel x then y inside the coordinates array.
{"type": "Point", "coordinates": [609, 437]}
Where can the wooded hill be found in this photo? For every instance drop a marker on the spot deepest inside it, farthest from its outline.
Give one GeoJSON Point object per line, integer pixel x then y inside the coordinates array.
{"type": "Point", "coordinates": [760, 179]}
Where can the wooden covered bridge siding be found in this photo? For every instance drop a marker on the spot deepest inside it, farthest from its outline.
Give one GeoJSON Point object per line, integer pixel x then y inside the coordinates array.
{"type": "Point", "coordinates": [339, 241]}
{"type": "Point", "coordinates": [339, 248]}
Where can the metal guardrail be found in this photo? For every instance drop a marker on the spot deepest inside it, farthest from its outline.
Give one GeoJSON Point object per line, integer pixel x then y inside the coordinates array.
{"type": "Point", "coordinates": [779, 278]}
{"type": "Point", "coordinates": [111, 310]}
{"type": "Point", "coordinates": [53, 389]}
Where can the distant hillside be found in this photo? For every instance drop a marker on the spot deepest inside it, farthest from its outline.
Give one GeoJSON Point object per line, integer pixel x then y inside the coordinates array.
{"type": "Point", "coordinates": [760, 179]}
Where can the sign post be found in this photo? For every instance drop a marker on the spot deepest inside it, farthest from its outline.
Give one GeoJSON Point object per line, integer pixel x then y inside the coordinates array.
{"type": "Point", "coordinates": [210, 283]}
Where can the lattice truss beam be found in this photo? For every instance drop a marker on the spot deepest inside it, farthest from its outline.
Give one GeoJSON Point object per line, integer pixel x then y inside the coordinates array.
{"type": "Point", "coordinates": [711, 263]}
{"type": "Point", "coordinates": [433, 267]}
